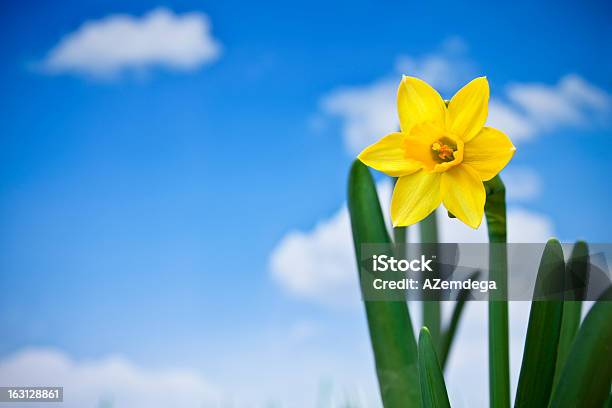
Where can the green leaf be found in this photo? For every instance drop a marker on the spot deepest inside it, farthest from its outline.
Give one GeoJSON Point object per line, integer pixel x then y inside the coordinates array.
{"type": "Point", "coordinates": [391, 333]}
{"type": "Point", "coordinates": [499, 365]}
{"type": "Point", "coordinates": [576, 275]}
{"type": "Point", "coordinates": [433, 388]}
{"type": "Point", "coordinates": [577, 272]}
{"type": "Point", "coordinates": [585, 377]}
{"type": "Point", "coordinates": [431, 307]}
{"type": "Point", "coordinates": [449, 334]}
{"type": "Point", "coordinates": [540, 352]}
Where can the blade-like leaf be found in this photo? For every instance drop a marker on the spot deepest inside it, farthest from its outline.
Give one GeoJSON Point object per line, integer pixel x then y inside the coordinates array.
{"type": "Point", "coordinates": [431, 306]}
{"type": "Point", "coordinates": [499, 362]}
{"type": "Point", "coordinates": [540, 352]}
{"type": "Point", "coordinates": [449, 334]}
{"type": "Point", "coordinates": [433, 388]}
{"type": "Point", "coordinates": [586, 375]}
{"type": "Point", "coordinates": [391, 333]}
{"type": "Point", "coordinates": [577, 272]}
{"type": "Point", "coordinates": [576, 275]}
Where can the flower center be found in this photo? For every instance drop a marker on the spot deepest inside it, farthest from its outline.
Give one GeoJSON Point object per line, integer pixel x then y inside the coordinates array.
{"type": "Point", "coordinates": [443, 150]}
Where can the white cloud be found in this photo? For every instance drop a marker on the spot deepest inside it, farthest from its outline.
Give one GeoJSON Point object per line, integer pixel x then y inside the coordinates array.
{"type": "Point", "coordinates": [368, 112]}
{"type": "Point", "coordinates": [522, 183]}
{"type": "Point", "coordinates": [523, 226]}
{"type": "Point", "coordinates": [567, 103]}
{"type": "Point", "coordinates": [515, 124]}
{"type": "Point", "coordinates": [88, 383]}
{"type": "Point", "coordinates": [120, 42]}
{"type": "Point", "coordinates": [536, 108]}
{"type": "Point", "coordinates": [445, 69]}
{"type": "Point", "coordinates": [527, 226]}
{"type": "Point", "coordinates": [319, 265]}
{"type": "Point", "coordinates": [523, 110]}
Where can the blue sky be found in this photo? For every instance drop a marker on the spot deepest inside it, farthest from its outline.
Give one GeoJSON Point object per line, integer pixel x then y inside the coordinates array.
{"type": "Point", "coordinates": [139, 211]}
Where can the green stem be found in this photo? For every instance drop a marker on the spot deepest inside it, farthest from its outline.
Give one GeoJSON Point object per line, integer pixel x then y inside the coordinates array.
{"type": "Point", "coordinates": [431, 308]}
{"type": "Point", "coordinates": [429, 229]}
{"type": "Point", "coordinates": [400, 234]}
{"type": "Point", "coordinates": [499, 365]}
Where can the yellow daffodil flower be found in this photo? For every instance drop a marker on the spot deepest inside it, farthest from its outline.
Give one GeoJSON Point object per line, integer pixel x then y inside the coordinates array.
{"type": "Point", "coordinates": [442, 154]}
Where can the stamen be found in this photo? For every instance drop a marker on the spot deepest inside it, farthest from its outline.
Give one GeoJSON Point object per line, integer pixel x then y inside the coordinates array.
{"type": "Point", "coordinates": [443, 150]}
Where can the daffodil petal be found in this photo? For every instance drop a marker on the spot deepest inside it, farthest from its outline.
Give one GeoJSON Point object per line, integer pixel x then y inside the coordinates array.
{"type": "Point", "coordinates": [418, 102]}
{"type": "Point", "coordinates": [463, 194]}
{"type": "Point", "coordinates": [389, 156]}
{"type": "Point", "coordinates": [468, 109]}
{"type": "Point", "coordinates": [415, 197]}
{"type": "Point", "coordinates": [488, 152]}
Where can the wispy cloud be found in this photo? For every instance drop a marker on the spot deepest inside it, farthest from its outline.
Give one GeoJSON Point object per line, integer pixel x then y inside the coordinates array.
{"type": "Point", "coordinates": [112, 380]}
{"type": "Point", "coordinates": [522, 183]}
{"type": "Point", "coordinates": [117, 43]}
{"type": "Point", "coordinates": [528, 109]}
{"type": "Point", "coordinates": [368, 111]}
{"type": "Point", "coordinates": [445, 69]}
{"type": "Point", "coordinates": [523, 110]}
{"type": "Point", "coordinates": [319, 265]}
